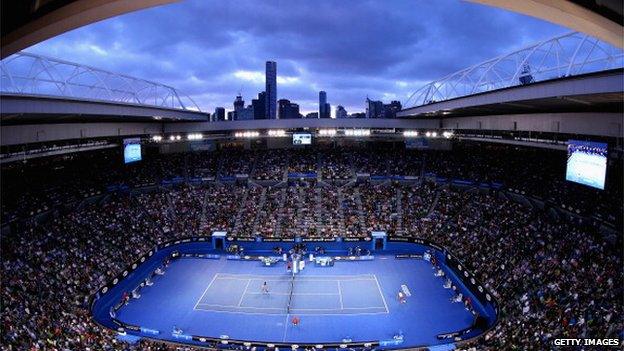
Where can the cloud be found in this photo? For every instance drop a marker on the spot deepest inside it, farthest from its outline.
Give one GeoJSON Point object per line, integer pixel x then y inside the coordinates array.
{"type": "Point", "coordinates": [212, 49]}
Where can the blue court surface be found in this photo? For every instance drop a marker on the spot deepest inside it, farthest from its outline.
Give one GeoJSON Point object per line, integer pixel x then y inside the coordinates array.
{"type": "Point", "coordinates": [351, 300]}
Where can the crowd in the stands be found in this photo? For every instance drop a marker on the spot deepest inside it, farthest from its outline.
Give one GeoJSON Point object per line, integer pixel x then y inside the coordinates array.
{"type": "Point", "coordinates": [37, 186]}
{"type": "Point", "coordinates": [553, 275]}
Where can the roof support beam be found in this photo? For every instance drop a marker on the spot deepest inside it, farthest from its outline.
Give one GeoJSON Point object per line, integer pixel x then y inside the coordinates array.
{"type": "Point", "coordinates": [567, 14]}
{"type": "Point", "coordinates": [71, 16]}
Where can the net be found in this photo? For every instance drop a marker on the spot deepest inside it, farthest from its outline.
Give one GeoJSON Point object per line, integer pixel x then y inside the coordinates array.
{"type": "Point", "coordinates": [292, 287]}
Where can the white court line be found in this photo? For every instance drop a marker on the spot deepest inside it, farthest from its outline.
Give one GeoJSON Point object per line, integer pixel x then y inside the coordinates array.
{"type": "Point", "coordinates": [235, 306]}
{"type": "Point", "coordinates": [293, 309]}
{"type": "Point", "coordinates": [205, 291]}
{"type": "Point", "coordinates": [294, 294]}
{"type": "Point", "coordinates": [336, 309]}
{"type": "Point", "coordinates": [267, 280]}
{"type": "Point", "coordinates": [258, 276]}
{"type": "Point", "coordinates": [333, 279]}
{"type": "Point", "coordinates": [381, 293]}
{"type": "Point", "coordinates": [340, 292]}
{"type": "Point", "coordinates": [300, 279]}
{"type": "Point", "coordinates": [244, 292]}
{"type": "Point", "coordinates": [272, 275]}
{"type": "Point", "coordinates": [307, 314]}
{"type": "Point", "coordinates": [342, 280]}
{"type": "Point", "coordinates": [285, 327]}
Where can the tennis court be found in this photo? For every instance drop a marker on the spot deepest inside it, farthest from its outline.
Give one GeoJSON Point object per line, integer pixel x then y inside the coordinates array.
{"type": "Point", "coordinates": [351, 300]}
{"type": "Point", "coordinates": [305, 295]}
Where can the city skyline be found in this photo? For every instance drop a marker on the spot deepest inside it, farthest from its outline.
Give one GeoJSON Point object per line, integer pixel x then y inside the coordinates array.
{"type": "Point", "coordinates": [384, 52]}
{"type": "Point", "coordinates": [268, 107]}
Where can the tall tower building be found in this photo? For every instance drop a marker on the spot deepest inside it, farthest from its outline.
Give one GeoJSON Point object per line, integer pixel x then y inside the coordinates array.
{"type": "Point", "coordinates": [271, 90]}
{"type": "Point", "coordinates": [239, 104]}
{"type": "Point", "coordinates": [324, 107]}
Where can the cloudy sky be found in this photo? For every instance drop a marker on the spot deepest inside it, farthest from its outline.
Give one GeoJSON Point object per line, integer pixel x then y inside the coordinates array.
{"type": "Point", "coordinates": [384, 49]}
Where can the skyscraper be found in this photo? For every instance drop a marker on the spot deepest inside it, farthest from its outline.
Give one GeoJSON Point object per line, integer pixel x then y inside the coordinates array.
{"type": "Point", "coordinates": [374, 109]}
{"type": "Point", "coordinates": [271, 90]}
{"type": "Point", "coordinates": [288, 110]}
{"type": "Point", "coordinates": [219, 114]}
{"type": "Point", "coordinates": [341, 112]}
{"type": "Point", "coordinates": [324, 108]}
{"type": "Point", "coordinates": [239, 104]}
{"type": "Point", "coordinates": [259, 106]}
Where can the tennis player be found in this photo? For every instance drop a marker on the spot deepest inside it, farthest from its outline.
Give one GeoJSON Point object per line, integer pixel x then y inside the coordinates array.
{"type": "Point", "coordinates": [264, 288]}
{"type": "Point", "coordinates": [295, 321]}
{"type": "Point", "coordinates": [401, 297]}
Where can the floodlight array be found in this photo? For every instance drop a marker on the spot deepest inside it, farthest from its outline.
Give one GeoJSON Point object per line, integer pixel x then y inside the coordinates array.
{"type": "Point", "coordinates": [276, 133]}
{"type": "Point", "coordinates": [327, 132]}
{"type": "Point", "coordinates": [410, 133]}
{"type": "Point", "coordinates": [195, 136]}
{"type": "Point", "coordinates": [357, 132]}
{"type": "Point", "coordinates": [247, 134]}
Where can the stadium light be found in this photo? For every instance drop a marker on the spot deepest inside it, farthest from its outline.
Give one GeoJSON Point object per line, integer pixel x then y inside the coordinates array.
{"type": "Point", "coordinates": [447, 134]}
{"type": "Point", "coordinates": [157, 138]}
{"type": "Point", "coordinates": [357, 132]}
{"type": "Point", "coordinates": [178, 137]}
{"type": "Point", "coordinates": [327, 132]}
{"type": "Point", "coordinates": [277, 133]}
{"type": "Point", "coordinates": [172, 137]}
{"type": "Point", "coordinates": [428, 134]}
{"type": "Point", "coordinates": [247, 134]}
{"type": "Point", "coordinates": [194, 136]}
{"type": "Point", "coordinates": [410, 133]}
{"type": "Point", "coordinates": [434, 134]}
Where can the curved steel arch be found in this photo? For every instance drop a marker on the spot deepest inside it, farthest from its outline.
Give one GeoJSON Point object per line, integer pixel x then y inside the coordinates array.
{"type": "Point", "coordinates": [26, 73]}
{"type": "Point", "coordinates": [565, 55]}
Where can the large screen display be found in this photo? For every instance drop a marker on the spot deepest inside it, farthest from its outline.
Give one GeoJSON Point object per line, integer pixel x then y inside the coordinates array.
{"type": "Point", "coordinates": [132, 150]}
{"type": "Point", "coordinates": [587, 163]}
{"type": "Point", "coordinates": [302, 139]}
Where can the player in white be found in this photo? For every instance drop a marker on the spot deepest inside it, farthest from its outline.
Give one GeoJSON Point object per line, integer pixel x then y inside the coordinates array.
{"type": "Point", "coordinates": [264, 288]}
{"type": "Point", "coordinates": [401, 297]}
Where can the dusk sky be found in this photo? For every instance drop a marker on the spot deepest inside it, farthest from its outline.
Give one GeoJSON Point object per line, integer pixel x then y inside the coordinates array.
{"type": "Point", "coordinates": [212, 49]}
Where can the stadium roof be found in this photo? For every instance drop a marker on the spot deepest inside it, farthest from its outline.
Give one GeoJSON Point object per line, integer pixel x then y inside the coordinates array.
{"type": "Point", "coordinates": [29, 74]}
{"type": "Point", "coordinates": [562, 56]}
